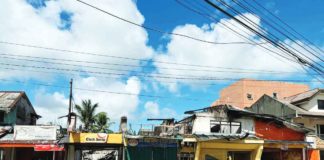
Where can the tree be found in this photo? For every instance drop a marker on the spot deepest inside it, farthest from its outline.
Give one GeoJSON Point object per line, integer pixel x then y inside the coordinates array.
{"type": "Point", "coordinates": [102, 123]}
{"type": "Point", "coordinates": [86, 113]}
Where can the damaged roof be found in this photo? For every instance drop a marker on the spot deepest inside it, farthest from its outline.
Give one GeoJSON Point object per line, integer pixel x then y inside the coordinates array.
{"type": "Point", "coordinates": [8, 99]}
{"type": "Point", "coordinates": [238, 112]}
{"type": "Point", "coordinates": [304, 96]}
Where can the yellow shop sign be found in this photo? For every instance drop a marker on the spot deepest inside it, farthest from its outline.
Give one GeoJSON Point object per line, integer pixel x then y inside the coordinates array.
{"type": "Point", "coordinates": [95, 138]}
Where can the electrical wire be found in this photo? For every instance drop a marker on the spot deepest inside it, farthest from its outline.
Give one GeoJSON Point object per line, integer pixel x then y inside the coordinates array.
{"type": "Point", "coordinates": [8, 56]}
{"type": "Point", "coordinates": [189, 7]}
{"type": "Point", "coordinates": [106, 91]}
{"type": "Point", "coordinates": [159, 30]}
{"type": "Point", "coordinates": [286, 24]}
{"type": "Point", "coordinates": [145, 75]}
{"type": "Point", "coordinates": [147, 79]}
{"type": "Point", "coordinates": [205, 15]}
{"type": "Point", "coordinates": [278, 45]}
{"type": "Point", "coordinates": [274, 38]}
{"type": "Point", "coordinates": [123, 58]}
{"type": "Point", "coordinates": [272, 23]}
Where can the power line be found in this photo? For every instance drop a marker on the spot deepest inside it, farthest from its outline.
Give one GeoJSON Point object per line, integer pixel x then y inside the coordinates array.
{"type": "Point", "coordinates": [301, 61]}
{"type": "Point", "coordinates": [159, 30]}
{"type": "Point", "coordinates": [236, 32]}
{"type": "Point", "coordinates": [147, 76]}
{"type": "Point", "coordinates": [287, 25]}
{"type": "Point", "coordinates": [118, 93]}
{"type": "Point", "coordinates": [278, 45]}
{"type": "Point", "coordinates": [123, 58]}
{"type": "Point", "coordinates": [278, 30]}
{"type": "Point", "coordinates": [150, 80]}
{"type": "Point", "coordinates": [275, 23]}
{"type": "Point", "coordinates": [273, 39]}
{"type": "Point", "coordinates": [205, 15]}
{"type": "Point", "coordinates": [129, 70]}
{"type": "Point", "coordinates": [105, 91]}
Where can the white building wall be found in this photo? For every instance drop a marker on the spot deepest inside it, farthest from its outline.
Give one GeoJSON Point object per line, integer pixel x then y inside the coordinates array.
{"type": "Point", "coordinates": [201, 124]}
{"type": "Point", "coordinates": [312, 105]}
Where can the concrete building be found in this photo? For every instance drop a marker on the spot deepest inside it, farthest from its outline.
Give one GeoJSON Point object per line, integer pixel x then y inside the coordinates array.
{"type": "Point", "coordinates": [245, 92]}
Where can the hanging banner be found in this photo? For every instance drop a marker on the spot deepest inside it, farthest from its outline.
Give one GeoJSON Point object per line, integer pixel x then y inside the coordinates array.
{"type": "Point", "coordinates": [22, 132]}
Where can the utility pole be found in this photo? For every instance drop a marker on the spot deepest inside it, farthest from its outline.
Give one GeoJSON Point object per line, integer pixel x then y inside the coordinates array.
{"type": "Point", "coordinates": [70, 103]}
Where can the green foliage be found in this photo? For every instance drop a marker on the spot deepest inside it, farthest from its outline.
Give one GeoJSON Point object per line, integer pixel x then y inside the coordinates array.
{"type": "Point", "coordinates": [102, 123]}
{"type": "Point", "coordinates": [92, 122]}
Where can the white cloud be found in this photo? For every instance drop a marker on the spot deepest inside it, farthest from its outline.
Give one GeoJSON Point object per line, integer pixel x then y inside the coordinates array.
{"type": "Point", "coordinates": [152, 110]}
{"type": "Point", "coordinates": [53, 105]}
{"type": "Point", "coordinates": [90, 30]}
{"type": "Point", "coordinates": [186, 51]}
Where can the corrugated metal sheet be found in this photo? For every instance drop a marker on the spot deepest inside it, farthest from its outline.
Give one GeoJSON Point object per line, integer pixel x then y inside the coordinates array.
{"type": "Point", "coordinates": [303, 96]}
{"type": "Point", "coordinates": [8, 99]}
{"type": "Point", "coordinates": [279, 108]}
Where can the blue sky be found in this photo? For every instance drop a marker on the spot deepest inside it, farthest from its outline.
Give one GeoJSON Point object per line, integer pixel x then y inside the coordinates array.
{"type": "Point", "coordinates": [69, 26]}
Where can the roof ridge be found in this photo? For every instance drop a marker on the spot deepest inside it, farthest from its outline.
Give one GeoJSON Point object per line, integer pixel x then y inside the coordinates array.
{"type": "Point", "coordinates": [302, 93]}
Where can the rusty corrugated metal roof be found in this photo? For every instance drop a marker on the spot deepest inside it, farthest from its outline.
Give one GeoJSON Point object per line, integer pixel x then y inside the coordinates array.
{"type": "Point", "coordinates": [9, 98]}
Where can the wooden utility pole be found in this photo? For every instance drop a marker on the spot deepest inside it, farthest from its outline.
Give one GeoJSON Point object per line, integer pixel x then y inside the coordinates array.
{"type": "Point", "coordinates": [70, 102]}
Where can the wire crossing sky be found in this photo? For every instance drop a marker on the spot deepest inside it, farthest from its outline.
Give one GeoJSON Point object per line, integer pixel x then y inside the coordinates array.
{"type": "Point", "coordinates": [143, 59]}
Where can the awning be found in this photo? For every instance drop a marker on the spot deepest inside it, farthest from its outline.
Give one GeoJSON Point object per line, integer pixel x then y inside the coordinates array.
{"type": "Point", "coordinates": [37, 147]}
{"type": "Point", "coordinates": [49, 147]}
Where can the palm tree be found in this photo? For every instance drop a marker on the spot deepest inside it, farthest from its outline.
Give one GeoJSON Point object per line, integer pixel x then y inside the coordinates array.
{"type": "Point", "coordinates": [102, 123]}
{"type": "Point", "coordinates": [86, 113]}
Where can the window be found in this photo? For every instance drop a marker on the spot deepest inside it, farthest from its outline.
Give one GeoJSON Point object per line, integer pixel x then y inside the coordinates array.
{"type": "Point", "coordinates": [249, 96]}
{"type": "Point", "coordinates": [225, 127]}
{"type": "Point", "coordinates": [320, 131]}
{"type": "Point", "coordinates": [2, 114]}
{"type": "Point", "coordinates": [274, 95]}
{"type": "Point", "coordinates": [320, 104]}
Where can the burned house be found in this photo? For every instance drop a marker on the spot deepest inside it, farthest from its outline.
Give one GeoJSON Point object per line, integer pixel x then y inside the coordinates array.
{"type": "Point", "coordinates": [223, 132]}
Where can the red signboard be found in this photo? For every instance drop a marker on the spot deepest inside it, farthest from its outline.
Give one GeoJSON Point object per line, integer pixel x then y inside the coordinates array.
{"type": "Point", "coordinates": [48, 147]}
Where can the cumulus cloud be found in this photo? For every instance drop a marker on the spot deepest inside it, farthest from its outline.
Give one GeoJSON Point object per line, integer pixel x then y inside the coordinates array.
{"type": "Point", "coordinates": [152, 110]}
{"type": "Point", "coordinates": [70, 25]}
{"type": "Point", "coordinates": [185, 51]}
{"type": "Point", "coordinates": [89, 30]}
{"type": "Point", "coordinates": [53, 105]}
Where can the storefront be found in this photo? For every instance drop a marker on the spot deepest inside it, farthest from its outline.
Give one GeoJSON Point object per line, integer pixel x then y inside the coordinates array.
{"type": "Point", "coordinates": [95, 146]}
{"type": "Point", "coordinates": [224, 148]}
{"type": "Point", "coordinates": [24, 144]}
{"type": "Point", "coordinates": [235, 150]}
{"type": "Point", "coordinates": [151, 148]}
{"type": "Point", "coordinates": [284, 150]}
